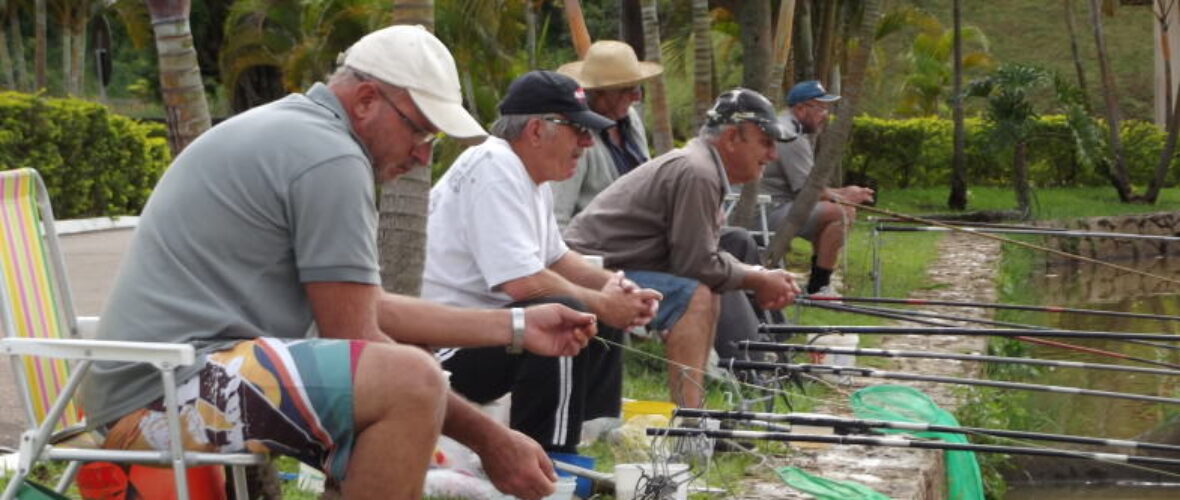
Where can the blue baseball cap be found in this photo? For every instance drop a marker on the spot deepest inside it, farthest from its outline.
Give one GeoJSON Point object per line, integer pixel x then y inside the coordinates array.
{"type": "Point", "coordinates": [808, 90]}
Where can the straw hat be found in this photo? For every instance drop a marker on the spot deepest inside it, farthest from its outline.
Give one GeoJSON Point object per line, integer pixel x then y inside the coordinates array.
{"type": "Point", "coordinates": [610, 64]}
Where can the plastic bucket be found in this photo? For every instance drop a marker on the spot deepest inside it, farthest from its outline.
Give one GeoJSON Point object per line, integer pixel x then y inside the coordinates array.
{"type": "Point", "coordinates": [629, 477]}
{"type": "Point", "coordinates": [563, 489]}
{"type": "Point", "coordinates": [204, 483]}
{"type": "Point", "coordinates": [584, 483]}
{"type": "Point", "coordinates": [636, 408]}
{"type": "Point", "coordinates": [844, 340]}
{"type": "Point", "coordinates": [102, 481]}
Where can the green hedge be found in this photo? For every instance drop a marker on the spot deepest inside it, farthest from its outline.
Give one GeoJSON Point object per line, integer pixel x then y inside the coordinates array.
{"type": "Point", "coordinates": [94, 162]}
{"type": "Point", "coordinates": [917, 152]}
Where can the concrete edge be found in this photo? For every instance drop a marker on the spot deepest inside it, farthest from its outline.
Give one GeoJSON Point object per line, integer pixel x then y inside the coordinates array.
{"type": "Point", "coordinates": [75, 226]}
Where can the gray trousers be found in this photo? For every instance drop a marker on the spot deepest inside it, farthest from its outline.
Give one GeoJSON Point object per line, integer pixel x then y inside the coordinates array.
{"type": "Point", "coordinates": [739, 317]}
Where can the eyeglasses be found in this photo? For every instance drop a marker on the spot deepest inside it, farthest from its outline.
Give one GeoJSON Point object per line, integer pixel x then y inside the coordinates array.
{"type": "Point", "coordinates": [578, 127]}
{"type": "Point", "coordinates": [423, 136]}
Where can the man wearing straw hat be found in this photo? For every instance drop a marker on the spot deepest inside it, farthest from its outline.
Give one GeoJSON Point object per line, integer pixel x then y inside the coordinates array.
{"type": "Point", "coordinates": [613, 77]}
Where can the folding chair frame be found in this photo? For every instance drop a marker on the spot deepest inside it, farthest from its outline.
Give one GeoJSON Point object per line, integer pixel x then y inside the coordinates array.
{"type": "Point", "coordinates": [35, 443]}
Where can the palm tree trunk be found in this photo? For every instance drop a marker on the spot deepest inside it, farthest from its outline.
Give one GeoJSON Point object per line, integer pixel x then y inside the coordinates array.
{"type": "Point", "coordinates": [658, 97]}
{"type": "Point", "coordinates": [1162, 13]}
{"type": "Point", "coordinates": [958, 196]}
{"type": "Point", "coordinates": [831, 152]}
{"type": "Point", "coordinates": [401, 229]}
{"type": "Point", "coordinates": [78, 60]}
{"type": "Point", "coordinates": [1118, 174]}
{"type": "Point", "coordinates": [631, 26]}
{"type": "Point", "coordinates": [18, 50]}
{"type": "Point", "coordinates": [185, 107]}
{"type": "Point", "coordinates": [530, 18]}
{"type": "Point", "coordinates": [39, 50]}
{"type": "Point", "coordinates": [66, 53]}
{"type": "Point", "coordinates": [1165, 160]}
{"type": "Point", "coordinates": [5, 60]}
{"type": "Point", "coordinates": [827, 40]}
{"type": "Point", "coordinates": [804, 49]}
{"type": "Point", "coordinates": [1077, 57]}
{"type": "Point", "coordinates": [743, 212]}
{"type": "Point", "coordinates": [702, 61]}
{"type": "Point", "coordinates": [1020, 178]}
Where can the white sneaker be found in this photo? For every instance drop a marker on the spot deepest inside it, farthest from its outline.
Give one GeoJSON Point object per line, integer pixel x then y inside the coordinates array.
{"type": "Point", "coordinates": [827, 291]}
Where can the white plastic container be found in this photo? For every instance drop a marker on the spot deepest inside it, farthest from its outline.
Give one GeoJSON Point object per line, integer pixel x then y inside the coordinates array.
{"type": "Point", "coordinates": [563, 489]}
{"type": "Point", "coordinates": [627, 477]}
{"type": "Point", "coordinates": [844, 340]}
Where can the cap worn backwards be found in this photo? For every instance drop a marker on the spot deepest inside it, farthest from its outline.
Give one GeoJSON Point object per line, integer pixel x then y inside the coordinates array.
{"type": "Point", "coordinates": [745, 105]}
{"type": "Point", "coordinates": [410, 57]}
{"type": "Point", "coordinates": [541, 92]}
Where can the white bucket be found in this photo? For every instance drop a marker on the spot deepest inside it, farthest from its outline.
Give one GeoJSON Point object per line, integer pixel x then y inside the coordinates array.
{"type": "Point", "coordinates": [563, 489]}
{"type": "Point", "coordinates": [628, 476]}
{"type": "Point", "coordinates": [843, 340]}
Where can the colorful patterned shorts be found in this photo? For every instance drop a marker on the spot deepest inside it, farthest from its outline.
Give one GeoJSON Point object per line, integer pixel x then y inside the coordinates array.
{"type": "Point", "coordinates": [291, 397]}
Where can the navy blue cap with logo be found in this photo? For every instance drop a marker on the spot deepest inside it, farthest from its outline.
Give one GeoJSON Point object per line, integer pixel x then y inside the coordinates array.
{"type": "Point", "coordinates": [745, 105]}
{"type": "Point", "coordinates": [541, 92]}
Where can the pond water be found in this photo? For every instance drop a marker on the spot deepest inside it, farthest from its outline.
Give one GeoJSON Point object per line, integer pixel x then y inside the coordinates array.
{"type": "Point", "coordinates": [1096, 287]}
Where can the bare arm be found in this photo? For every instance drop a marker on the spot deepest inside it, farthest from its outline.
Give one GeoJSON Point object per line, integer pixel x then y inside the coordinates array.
{"type": "Point", "coordinates": [576, 269]}
{"type": "Point", "coordinates": [345, 310]}
{"type": "Point", "coordinates": [619, 303]}
{"type": "Point", "coordinates": [516, 464]}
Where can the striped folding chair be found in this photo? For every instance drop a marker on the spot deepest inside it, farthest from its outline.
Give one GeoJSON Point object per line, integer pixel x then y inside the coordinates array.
{"type": "Point", "coordinates": [41, 335]}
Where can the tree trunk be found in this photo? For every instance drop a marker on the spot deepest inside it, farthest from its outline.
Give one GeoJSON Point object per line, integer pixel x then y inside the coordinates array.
{"type": "Point", "coordinates": [804, 51]}
{"type": "Point", "coordinates": [661, 123]}
{"type": "Point", "coordinates": [747, 204]}
{"type": "Point", "coordinates": [66, 52]}
{"type": "Point", "coordinates": [1161, 17]}
{"type": "Point", "coordinates": [1118, 174]}
{"type": "Point", "coordinates": [6, 61]}
{"type": "Point", "coordinates": [1020, 178]}
{"type": "Point", "coordinates": [1077, 57]}
{"type": "Point", "coordinates": [702, 61]}
{"type": "Point", "coordinates": [831, 153]}
{"type": "Point", "coordinates": [39, 50]}
{"type": "Point", "coordinates": [958, 197]}
{"type": "Point", "coordinates": [826, 54]}
{"type": "Point", "coordinates": [631, 26]}
{"type": "Point", "coordinates": [1164, 163]}
{"type": "Point", "coordinates": [401, 231]}
{"type": "Point", "coordinates": [530, 18]}
{"type": "Point", "coordinates": [577, 24]}
{"type": "Point", "coordinates": [78, 48]}
{"type": "Point", "coordinates": [18, 51]}
{"type": "Point", "coordinates": [185, 107]}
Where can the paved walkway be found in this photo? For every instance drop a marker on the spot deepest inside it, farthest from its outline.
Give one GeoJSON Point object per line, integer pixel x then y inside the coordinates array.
{"type": "Point", "coordinates": [91, 261]}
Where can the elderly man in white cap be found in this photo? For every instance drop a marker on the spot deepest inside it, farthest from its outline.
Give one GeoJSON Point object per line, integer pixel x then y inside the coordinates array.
{"type": "Point", "coordinates": [613, 79]}
{"type": "Point", "coordinates": [261, 237]}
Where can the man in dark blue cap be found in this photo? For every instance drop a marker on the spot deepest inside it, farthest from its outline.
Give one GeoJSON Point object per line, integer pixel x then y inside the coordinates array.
{"type": "Point", "coordinates": [806, 115]}
{"type": "Point", "coordinates": [665, 218]}
{"type": "Point", "coordinates": [493, 242]}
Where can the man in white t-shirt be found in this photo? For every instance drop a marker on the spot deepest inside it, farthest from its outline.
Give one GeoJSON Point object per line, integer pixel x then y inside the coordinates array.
{"type": "Point", "coordinates": [493, 242]}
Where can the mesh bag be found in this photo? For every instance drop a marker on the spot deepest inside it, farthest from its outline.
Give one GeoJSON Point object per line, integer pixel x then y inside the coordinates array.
{"type": "Point", "coordinates": [827, 489]}
{"type": "Point", "coordinates": [898, 403]}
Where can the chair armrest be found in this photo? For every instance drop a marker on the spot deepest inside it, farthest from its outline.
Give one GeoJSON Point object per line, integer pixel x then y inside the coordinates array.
{"type": "Point", "coordinates": [87, 326]}
{"type": "Point", "coordinates": [101, 350]}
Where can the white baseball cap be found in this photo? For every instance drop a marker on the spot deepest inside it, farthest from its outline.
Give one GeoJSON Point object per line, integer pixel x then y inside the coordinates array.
{"type": "Point", "coordinates": [412, 58]}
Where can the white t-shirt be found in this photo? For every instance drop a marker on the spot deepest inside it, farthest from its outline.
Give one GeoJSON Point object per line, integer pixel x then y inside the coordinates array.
{"type": "Point", "coordinates": [489, 223]}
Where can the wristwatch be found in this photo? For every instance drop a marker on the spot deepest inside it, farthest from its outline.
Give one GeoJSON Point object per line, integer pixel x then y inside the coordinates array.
{"type": "Point", "coordinates": [517, 345]}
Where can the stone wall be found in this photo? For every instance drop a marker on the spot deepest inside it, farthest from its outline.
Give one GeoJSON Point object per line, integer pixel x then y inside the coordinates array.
{"type": "Point", "coordinates": [1157, 224]}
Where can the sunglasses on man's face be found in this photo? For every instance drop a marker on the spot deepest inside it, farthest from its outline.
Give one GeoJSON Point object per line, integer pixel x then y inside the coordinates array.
{"type": "Point", "coordinates": [578, 127]}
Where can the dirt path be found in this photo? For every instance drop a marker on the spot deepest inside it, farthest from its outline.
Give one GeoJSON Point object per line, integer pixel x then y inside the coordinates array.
{"type": "Point", "coordinates": [965, 271]}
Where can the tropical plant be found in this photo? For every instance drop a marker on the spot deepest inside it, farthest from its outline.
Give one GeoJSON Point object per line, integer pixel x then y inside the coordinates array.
{"type": "Point", "coordinates": [924, 91]}
{"type": "Point", "coordinates": [1009, 107]}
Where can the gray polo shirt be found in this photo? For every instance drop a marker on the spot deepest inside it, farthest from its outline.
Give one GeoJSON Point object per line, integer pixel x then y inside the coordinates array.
{"type": "Point", "coordinates": [663, 216]}
{"type": "Point", "coordinates": [271, 199]}
{"type": "Point", "coordinates": [785, 176]}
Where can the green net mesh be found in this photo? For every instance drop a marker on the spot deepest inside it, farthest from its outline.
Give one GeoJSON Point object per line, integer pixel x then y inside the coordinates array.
{"type": "Point", "coordinates": [827, 489]}
{"type": "Point", "coordinates": [899, 403]}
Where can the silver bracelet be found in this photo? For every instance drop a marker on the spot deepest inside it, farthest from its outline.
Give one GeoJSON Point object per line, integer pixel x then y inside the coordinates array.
{"type": "Point", "coordinates": [517, 345]}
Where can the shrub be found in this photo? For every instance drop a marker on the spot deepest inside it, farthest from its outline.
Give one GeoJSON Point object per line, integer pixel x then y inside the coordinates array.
{"type": "Point", "coordinates": [94, 162]}
{"type": "Point", "coordinates": [916, 152]}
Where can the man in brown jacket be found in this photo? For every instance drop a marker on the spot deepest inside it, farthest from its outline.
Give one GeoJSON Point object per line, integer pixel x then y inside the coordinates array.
{"type": "Point", "coordinates": [665, 216]}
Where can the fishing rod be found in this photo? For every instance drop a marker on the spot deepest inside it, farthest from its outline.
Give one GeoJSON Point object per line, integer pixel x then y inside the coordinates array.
{"type": "Point", "coordinates": [901, 314]}
{"type": "Point", "coordinates": [855, 425]}
{"type": "Point", "coordinates": [993, 305]}
{"type": "Point", "coordinates": [893, 353]}
{"type": "Point", "coordinates": [736, 364]}
{"type": "Point", "coordinates": [897, 442]}
{"type": "Point", "coordinates": [1056, 233]}
{"type": "Point", "coordinates": [970, 224]}
{"type": "Point", "coordinates": [937, 330]}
